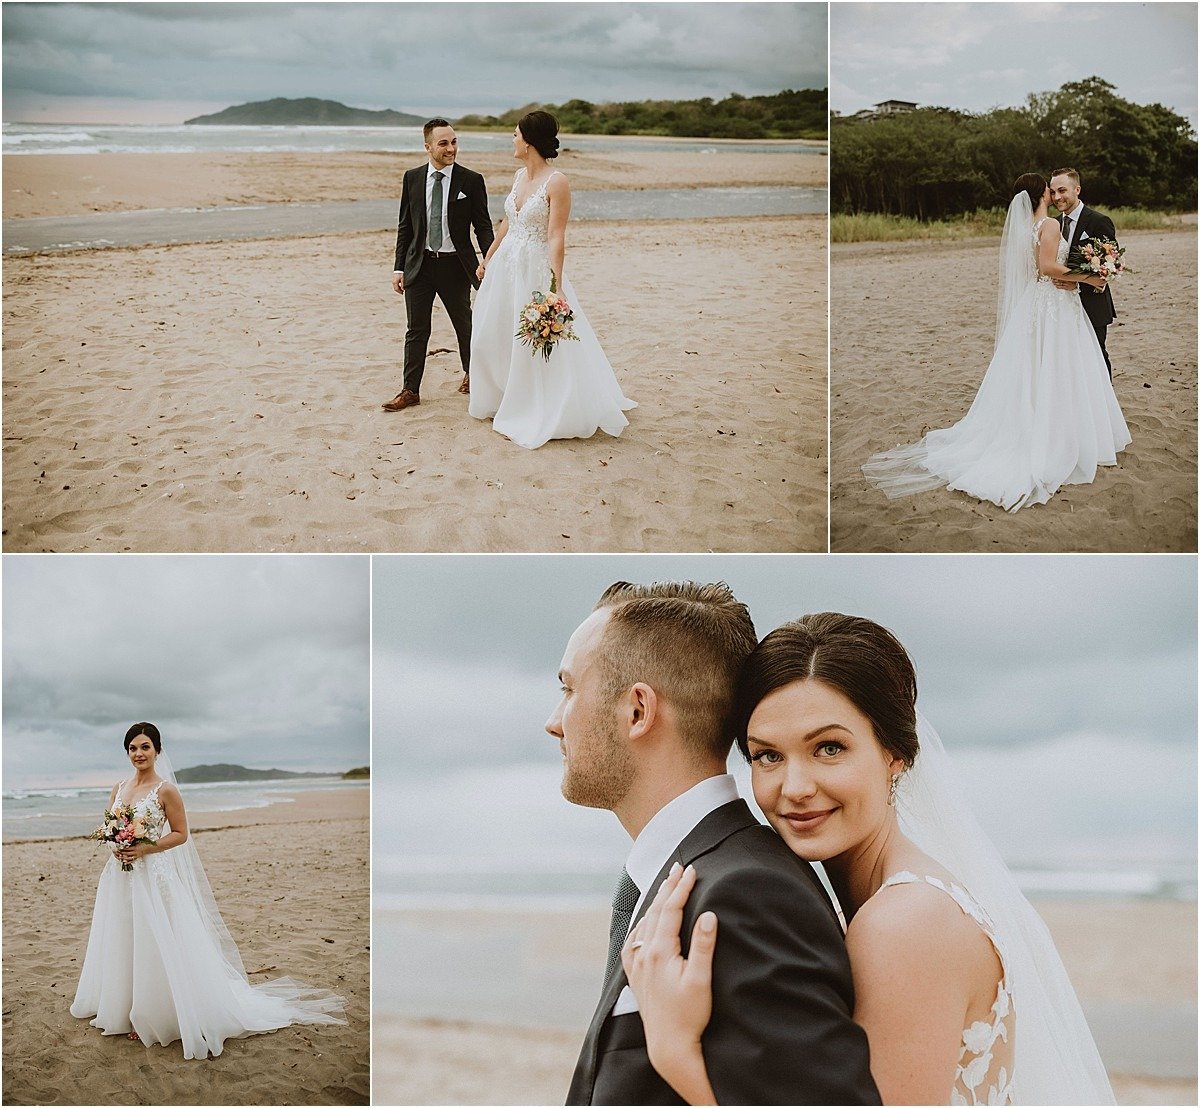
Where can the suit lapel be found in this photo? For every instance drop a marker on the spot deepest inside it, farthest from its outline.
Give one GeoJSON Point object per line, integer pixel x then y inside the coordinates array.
{"type": "Point", "coordinates": [420, 204]}
{"type": "Point", "coordinates": [708, 834]}
{"type": "Point", "coordinates": [1078, 228]}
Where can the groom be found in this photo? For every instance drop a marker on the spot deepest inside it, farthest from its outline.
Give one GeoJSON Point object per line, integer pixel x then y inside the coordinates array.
{"type": "Point", "coordinates": [1079, 223]}
{"type": "Point", "coordinates": [647, 688]}
{"type": "Point", "coordinates": [439, 204]}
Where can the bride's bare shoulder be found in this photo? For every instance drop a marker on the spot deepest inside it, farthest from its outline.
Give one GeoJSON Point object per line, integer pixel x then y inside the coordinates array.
{"type": "Point", "coordinates": [908, 933]}
{"type": "Point", "coordinates": [911, 924]}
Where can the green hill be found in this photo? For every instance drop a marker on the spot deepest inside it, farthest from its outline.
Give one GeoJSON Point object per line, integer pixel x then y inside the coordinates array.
{"type": "Point", "coordinates": [791, 114]}
{"type": "Point", "coordinates": [308, 111]}
{"type": "Point", "coordinates": [223, 771]}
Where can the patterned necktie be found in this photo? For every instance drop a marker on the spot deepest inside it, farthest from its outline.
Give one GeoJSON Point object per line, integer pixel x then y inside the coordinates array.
{"type": "Point", "coordinates": [623, 903]}
{"type": "Point", "coordinates": [435, 213]}
{"type": "Point", "coordinates": [1066, 227]}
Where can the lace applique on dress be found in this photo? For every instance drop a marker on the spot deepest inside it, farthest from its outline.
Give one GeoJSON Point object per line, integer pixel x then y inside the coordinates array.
{"type": "Point", "coordinates": [1048, 298]}
{"type": "Point", "coordinates": [151, 810]}
{"type": "Point", "coordinates": [529, 225]}
{"type": "Point", "coordinates": [974, 1079]}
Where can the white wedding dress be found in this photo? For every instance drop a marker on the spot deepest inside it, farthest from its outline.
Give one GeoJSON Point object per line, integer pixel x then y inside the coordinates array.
{"type": "Point", "coordinates": [985, 1073]}
{"type": "Point", "coordinates": [1034, 1046]}
{"type": "Point", "coordinates": [160, 962]}
{"type": "Point", "coordinates": [1045, 414]}
{"type": "Point", "coordinates": [530, 399]}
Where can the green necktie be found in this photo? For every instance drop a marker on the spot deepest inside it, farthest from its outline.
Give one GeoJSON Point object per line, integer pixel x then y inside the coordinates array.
{"type": "Point", "coordinates": [435, 214]}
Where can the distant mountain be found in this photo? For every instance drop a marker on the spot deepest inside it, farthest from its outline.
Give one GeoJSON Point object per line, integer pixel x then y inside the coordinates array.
{"type": "Point", "coordinates": [309, 111]}
{"type": "Point", "coordinates": [223, 771]}
{"type": "Point", "coordinates": [357, 774]}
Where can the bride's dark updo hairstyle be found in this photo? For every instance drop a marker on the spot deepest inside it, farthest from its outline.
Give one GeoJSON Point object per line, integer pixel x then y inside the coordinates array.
{"type": "Point", "coordinates": [863, 661]}
{"type": "Point", "coordinates": [147, 729]}
{"type": "Point", "coordinates": [540, 130]}
{"type": "Point", "coordinates": [1034, 184]}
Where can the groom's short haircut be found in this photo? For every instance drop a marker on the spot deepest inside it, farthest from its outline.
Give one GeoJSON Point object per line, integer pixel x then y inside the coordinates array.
{"type": "Point", "coordinates": [688, 642]}
{"type": "Point", "coordinates": [1068, 172]}
{"type": "Point", "coordinates": [434, 124]}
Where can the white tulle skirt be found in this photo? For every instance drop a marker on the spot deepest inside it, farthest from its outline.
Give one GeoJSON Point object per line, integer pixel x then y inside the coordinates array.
{"type": "Point", "coordinates": [529, 399]}
{"type": "Point", "coordinates": [1045, 415]}
{"type": "Point", "coordinates": [152, 966]}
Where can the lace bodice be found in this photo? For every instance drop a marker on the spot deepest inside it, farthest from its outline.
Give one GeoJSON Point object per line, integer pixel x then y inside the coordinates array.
{"type": "Point", "coordinates": [529, 226]}
{"type": "Point", "coordinates": [1063, 245]}
{"type": "Point", "coordinates": [981, 1076]}
{"type": "Point", "coordinates": [148, 807]}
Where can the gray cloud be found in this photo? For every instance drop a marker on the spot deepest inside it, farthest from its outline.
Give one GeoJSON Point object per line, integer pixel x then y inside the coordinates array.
{"type": "Point", "coordinates": [257, 660]}
{"type": "Point", "coordinates": [409, 56]}
{"type": "Point", "coordinates": [1010, 651]}
{"type": "Point", "coordinates": [979, 56]}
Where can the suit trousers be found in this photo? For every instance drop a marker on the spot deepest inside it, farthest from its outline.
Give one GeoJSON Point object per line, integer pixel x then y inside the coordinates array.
{"type": "Point", "coordinates": [442, 276]}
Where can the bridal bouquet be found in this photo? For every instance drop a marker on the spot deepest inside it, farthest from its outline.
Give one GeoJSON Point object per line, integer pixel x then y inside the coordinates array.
{"type": "Point", "coordinates": [1098, 257]}
{"type": "Point", "coordinates": [545, 321]}
{"type": "Point", "coordinates": [123, 828]}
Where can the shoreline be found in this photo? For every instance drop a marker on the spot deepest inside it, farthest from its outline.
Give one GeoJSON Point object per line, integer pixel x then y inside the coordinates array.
{"type": "Point", "coordinates": [497, 1002]}
{"type": "Point", "coordinates": [309, 806]}
{"type": "Point", "coordinates": [37, 185]}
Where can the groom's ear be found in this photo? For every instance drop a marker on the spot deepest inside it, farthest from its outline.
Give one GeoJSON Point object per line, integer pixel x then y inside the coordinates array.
{"type": "Point", "coordinates": [642, 709]}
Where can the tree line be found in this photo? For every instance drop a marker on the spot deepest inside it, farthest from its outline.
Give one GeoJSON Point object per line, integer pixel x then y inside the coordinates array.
{"type": "Point", "coordinates": [791, 114]}
{"type": "Point", "coordinates": [935, 163]}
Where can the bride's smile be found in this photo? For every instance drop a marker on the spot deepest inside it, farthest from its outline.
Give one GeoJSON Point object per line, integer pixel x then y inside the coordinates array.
{"type": "Point", "coordinates": [819, 774]}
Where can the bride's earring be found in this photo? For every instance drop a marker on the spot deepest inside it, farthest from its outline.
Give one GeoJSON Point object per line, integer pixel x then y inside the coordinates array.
{"type": "Point", "coordinates": [892, 789]}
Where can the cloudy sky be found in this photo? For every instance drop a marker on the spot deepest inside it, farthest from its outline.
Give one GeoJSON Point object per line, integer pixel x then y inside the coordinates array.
{"type": "Point", "coordinates": [981, 56]}
{"type": "Point", "coordinates": [257, 660]}
{"type": "Point", "coordinates": [166, 62]}
{"type": "Point", "coordinates": [1064, 684]}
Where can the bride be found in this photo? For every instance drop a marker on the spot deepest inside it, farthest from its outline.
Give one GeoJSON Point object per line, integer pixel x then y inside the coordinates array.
{"type": "Point", "coordinates": [160, 963]}
{"type": "Point", "coordinates": [1045, 414]}
{"type": "Point", "coordinates": [530, 399]}
{"type": "Point", "coordinates": [957, 982]}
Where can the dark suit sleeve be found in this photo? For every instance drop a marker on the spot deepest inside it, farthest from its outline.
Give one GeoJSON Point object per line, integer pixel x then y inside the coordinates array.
{"type": "Point", "coordinates": [404, 232]}
{"type": "Point", "coordinates": [1103, 226]}
{"type": "Point", "coordinates": [484, 234]}
{"type": "Point", "coordinates": [781, 1031]}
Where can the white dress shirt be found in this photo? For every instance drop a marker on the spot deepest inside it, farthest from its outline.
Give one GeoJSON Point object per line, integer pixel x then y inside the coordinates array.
{"type": "Point", "coordinates": [1071, 217]}
{"type": "Point", "coordinates": [660, 838]}
{"type": "Point", "coordinates": [447, 246]}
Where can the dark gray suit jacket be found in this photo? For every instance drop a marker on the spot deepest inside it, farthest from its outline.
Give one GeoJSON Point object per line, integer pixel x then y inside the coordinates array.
{"type": "Point", "coordinates": [1098, 305]}
{"type": "Point", "coordinates": [781, 1031]}
{"type": "Point", "coordinates": [461, 215]}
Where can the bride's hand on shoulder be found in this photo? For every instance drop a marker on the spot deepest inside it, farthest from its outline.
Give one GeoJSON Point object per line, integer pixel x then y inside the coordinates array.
{"type": "Point", "coordinates": [674, 993]}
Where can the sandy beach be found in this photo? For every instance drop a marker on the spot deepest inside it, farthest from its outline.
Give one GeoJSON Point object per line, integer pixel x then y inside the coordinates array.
{"type": "Point", "coordinates": [225, 396]}
{"type": "Point", "coordinates": [292, 884]}
{"type": "Point", "coordinates": [70, 184]}
{"type": "Point", "coordinates": [908, 351]}
{"type": "Point", "coordinates": [1131, 988]}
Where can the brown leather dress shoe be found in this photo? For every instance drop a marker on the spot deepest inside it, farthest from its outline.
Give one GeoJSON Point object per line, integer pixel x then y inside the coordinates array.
{"type": "Point", "coordinates": [465, 387]}
{"type": "Point", "coordinates": [405, 398]}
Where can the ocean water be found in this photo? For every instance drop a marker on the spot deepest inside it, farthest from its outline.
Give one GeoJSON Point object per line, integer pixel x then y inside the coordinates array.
{"type": "Point", "coordinates": [53, 813]}
{"type": "Point", "coordinates": [68, 138]}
